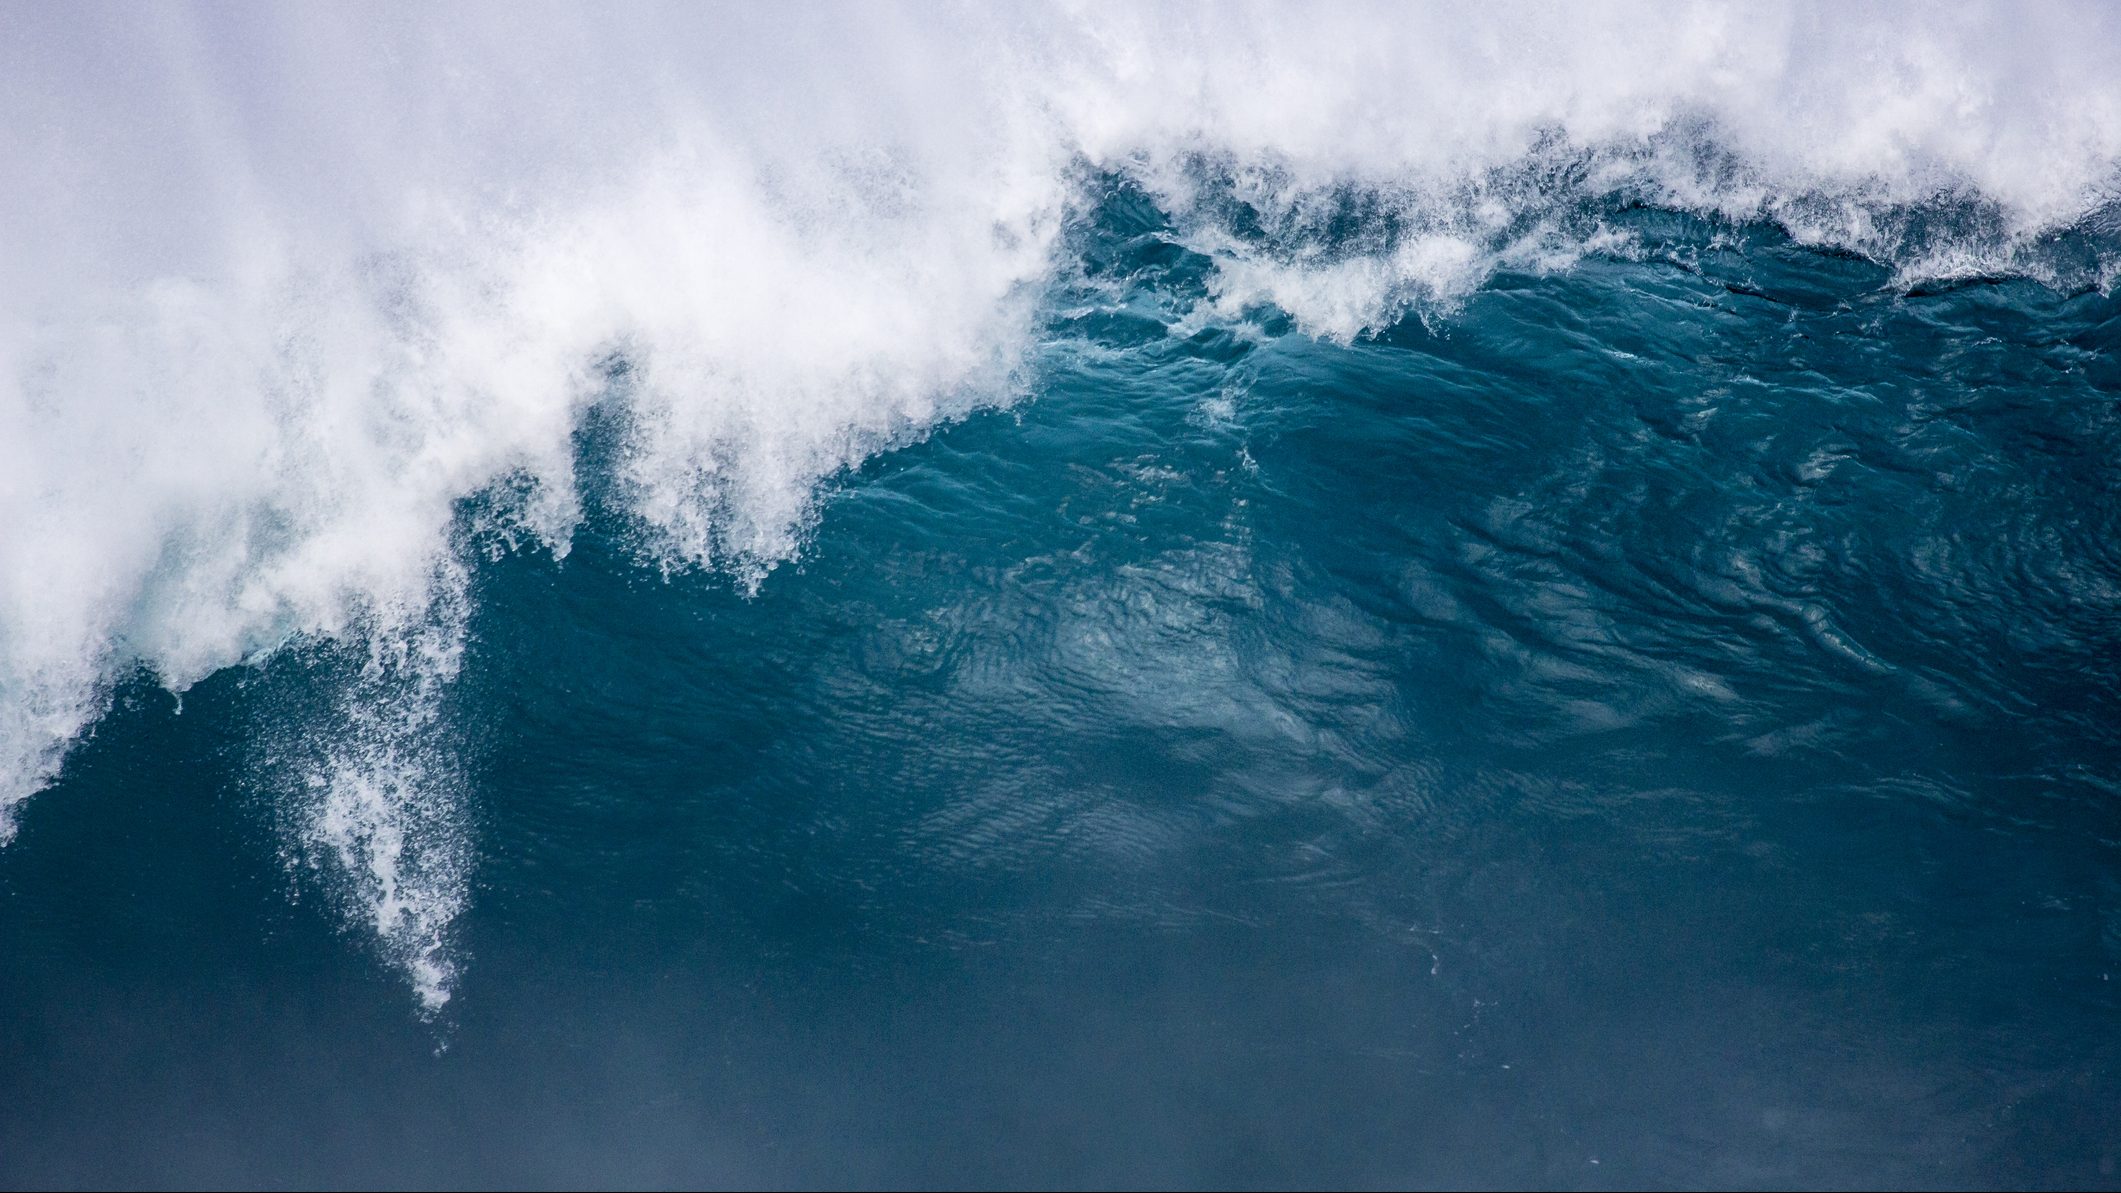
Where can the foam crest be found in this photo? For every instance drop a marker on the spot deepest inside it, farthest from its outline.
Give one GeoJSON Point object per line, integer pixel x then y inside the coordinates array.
{"type": "Point", "coordinates": [284, 286]}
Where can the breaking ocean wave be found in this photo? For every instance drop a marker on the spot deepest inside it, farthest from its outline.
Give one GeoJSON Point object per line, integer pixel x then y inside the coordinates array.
{"type": "Point", "coordinates": [310, 316]}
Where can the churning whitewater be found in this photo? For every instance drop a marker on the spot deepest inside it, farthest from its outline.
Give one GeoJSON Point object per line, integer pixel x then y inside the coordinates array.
{"type": "Point", "coordinates": [306, 312]}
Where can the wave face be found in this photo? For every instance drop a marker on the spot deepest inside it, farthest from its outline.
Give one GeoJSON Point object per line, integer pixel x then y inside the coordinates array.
{"type": "Point", "coordinates": [307, 315]}
{"type": "Point", "coordinates": [1097, 595]}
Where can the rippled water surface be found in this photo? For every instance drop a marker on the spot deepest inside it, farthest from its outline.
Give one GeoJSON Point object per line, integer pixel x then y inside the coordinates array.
{"type": "Point", "coordinates": [1653, 723]}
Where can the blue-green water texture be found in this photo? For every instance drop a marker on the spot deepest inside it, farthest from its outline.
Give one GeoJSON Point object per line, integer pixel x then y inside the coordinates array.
{"type": "Point", "coordinates": [1654, 722]}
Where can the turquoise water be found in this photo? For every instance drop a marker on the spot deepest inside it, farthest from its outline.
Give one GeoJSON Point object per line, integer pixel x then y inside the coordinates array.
{"type": "Point", "coordinates": [1656, 722]}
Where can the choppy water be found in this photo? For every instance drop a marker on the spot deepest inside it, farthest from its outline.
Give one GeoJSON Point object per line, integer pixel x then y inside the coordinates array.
{"type": "Point", "coordinates": [1509, 670]}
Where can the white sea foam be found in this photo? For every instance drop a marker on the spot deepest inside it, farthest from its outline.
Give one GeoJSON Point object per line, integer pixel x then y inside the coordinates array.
{"type": "Point", "coordinates": [280, 284]}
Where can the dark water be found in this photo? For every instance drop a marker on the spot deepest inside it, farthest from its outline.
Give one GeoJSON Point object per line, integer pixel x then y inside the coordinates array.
{"type": "Point", "coordinates": [1656, 724]}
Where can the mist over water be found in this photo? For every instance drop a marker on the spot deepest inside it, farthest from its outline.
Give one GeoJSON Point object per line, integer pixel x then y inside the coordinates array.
{"type": "Point", "coordinates": [1143, 567]}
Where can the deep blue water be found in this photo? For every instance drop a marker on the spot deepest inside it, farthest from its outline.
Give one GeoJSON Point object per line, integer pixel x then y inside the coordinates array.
{"type": "Point", "coordinates": [1657, 723]}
